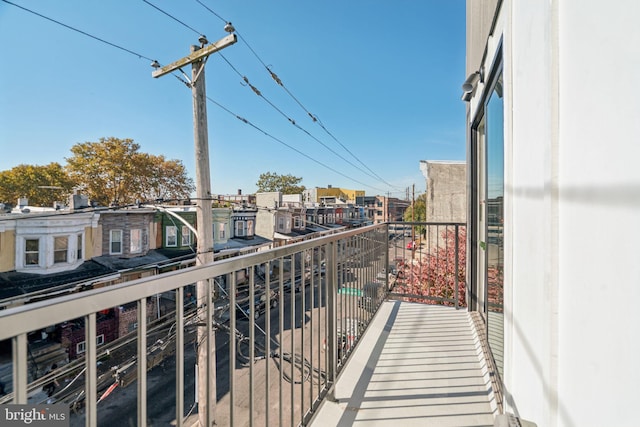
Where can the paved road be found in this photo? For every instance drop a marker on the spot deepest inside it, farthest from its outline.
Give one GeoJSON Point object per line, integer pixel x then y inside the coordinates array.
{"type": "Point", "coordinates": [119, 408]}
{"type": "Point", "coordinates": [271, 375]}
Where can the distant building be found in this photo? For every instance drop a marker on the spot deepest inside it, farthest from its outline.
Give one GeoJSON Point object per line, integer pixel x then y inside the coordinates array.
{"type": "Point", "coordinates": [446, 190]}
{"type": "Point", "coordinates": [331, 195]}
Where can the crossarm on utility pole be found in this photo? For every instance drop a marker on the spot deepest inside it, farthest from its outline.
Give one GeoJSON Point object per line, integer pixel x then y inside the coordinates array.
{"type": "Point", "coordinates": [196, 56]}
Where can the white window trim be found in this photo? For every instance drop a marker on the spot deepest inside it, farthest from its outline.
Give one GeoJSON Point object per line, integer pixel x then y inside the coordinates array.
{"type": "Point", "coordinates": [66, 250]}
{"type": "Point", "coordinates": [111, 241]}
{"type": "Point", "coordinates": [222, 231]}
{"type": "Point", "coordinates": [81, 347]}
{"type": "Point", "coordinates": [79, 247]}
{"type": "Point", "coordinates": [135, 249]}
{"type": "Point", "coordinates": [167, 235]}
{"type": "Point", "coordinates": [241, 230]}
{"type": "Point", "coordinates": [24, 252]}
{"type": "Point", "coordinates": [185, 237]}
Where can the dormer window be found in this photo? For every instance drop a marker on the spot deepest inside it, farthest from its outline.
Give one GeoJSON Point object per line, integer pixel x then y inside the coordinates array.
{"type": "Point", "coordinates": [171, 236]}
{"type": "Point", "coordinates": [79, 254]}
{"type": "Point", "coordinates": [60, 249]}
{"type": "Point", "coordinates": [136, 241]}
{"type": "Point", "coordinates": [186, 236]}
{"type": "Point", "coordinates": [240, 230]}
{"type": "Point", "coordinates": [115, 242]}
{"type": "Point", "coordinates": [222, 230]}
{"type": "Point", "coordinates": [31, 252]}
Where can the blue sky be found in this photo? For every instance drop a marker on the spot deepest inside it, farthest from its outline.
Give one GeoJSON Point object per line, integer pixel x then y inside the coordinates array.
{"type": "Point", "coordinates": [383, 78]}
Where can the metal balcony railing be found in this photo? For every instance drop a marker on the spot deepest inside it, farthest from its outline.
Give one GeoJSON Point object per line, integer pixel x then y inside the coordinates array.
{"type": "Point", "coordinates": [276, 327]}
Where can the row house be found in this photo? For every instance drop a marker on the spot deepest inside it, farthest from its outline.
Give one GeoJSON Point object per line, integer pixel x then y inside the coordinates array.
{"type": "Point", "coordinates": [50, 251]}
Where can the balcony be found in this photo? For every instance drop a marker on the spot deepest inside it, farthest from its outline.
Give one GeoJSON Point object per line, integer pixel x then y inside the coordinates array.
{"type": "Point", "coordinates": [364, 326]}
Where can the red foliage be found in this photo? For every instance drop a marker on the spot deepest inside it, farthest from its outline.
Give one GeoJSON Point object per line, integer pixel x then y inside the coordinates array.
{"type": "Point", "coordinates": [433, 273]}
{"type": "Point", "coordinates": [495, 289]}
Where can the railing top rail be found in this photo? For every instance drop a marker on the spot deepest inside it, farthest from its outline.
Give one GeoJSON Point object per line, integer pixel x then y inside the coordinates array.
{"type": "Point", "coordinates": [424, 223]}
{"type": "Point", "coordinates": [67, 307]}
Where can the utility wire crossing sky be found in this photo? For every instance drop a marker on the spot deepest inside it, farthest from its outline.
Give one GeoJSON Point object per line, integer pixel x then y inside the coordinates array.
{"type": "Point", "coordinates": [348, 94]}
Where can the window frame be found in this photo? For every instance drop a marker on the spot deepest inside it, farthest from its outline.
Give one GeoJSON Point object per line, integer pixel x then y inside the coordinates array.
{"type": "Point", "coordinates": [171, 232]}
{"type": "Point", "coordinates": [81, 347]}
{"type": "Point", "coordinates": [28, 252]}
{"type": "Point", "coordinates": [241, 228]}
{"type": "Point", "coordinates": [112, 241]}
{"type": "Point", "coordinates": [133, 247]}
{"type": "Point", "coordinates": [79, 247]}
{"type": "Point", "coordinates": [222, 230]}
{"type": "Point", "coordinates": [60, 255]}
{"type": "Point", "coordinates": [185, 236]}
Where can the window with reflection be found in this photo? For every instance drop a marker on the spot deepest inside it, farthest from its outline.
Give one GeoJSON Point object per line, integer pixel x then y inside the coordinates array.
{"type": "Point", "coordinates": [494, 210]}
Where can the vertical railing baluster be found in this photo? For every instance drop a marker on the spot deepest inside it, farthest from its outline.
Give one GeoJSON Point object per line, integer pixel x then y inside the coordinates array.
{"type": "Point", "coordinates": [91, 376]}
{"type": "Point", "coordinates": [293, 338]}
{"type": "Point", "coordinates": [267, 343]}
{"type": "Point", "coordinates": [312, 265]}
{"type": "Point", "coordinates": [20, 369]}
{"type": "Point", "coordinates": [322, 285]}
{"type": "Point", "coordinates": [329, 273]}
{"type": "Point", "coordinates": [303, 267]}
{"type": "Point", "coordinates": [179, 356]}
{"type": "Point", "coordinates": [211, 355]}
{"type": "Point", "coordinates": [142, 362]}
{"type": "Point", "coordinates": [332, 354]}
{"type": "Point", "coordinates": [280, 349]}
{"type": "Point", "coordinates": [386, 258]}
{"type": "Point", "coordinates": [252, 338]}
{"type": "Point", "coordinates": [232, 347]}
{"type": "Point", "coordinates": [456, 284]}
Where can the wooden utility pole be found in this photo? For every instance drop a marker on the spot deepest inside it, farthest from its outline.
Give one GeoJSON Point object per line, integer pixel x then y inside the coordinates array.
{"type": "Point", "coordinates": [206, 356]}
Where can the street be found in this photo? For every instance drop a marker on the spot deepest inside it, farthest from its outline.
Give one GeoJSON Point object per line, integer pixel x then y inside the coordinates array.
{"type": "Point", "coordinates": [119, 407]}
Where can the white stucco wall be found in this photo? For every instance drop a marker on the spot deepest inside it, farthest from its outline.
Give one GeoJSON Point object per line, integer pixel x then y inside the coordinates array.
{"type": "Point", "coordinates": [599, 213]}
{"type": "Point", "coordinates": [572, 211]}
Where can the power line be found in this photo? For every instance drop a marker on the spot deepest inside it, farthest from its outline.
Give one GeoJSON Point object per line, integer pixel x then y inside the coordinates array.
{"type": "Point", "coordinates": [259, 93]}
{"type": "Point", "coordinates": [247, 122]}
{"type": "Point", "coordinates": [313, 117]}
{"type": "Point", "coordinates": [293, 122]}
{"type": "Point", "coordinates": [80, 31]}
{"type": "Point", "coordinates": [171, 16]}
{"type": "Point", "coordinates": [212, 12]}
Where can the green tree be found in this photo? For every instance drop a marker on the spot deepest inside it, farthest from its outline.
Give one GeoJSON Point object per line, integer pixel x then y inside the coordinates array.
{"type": "Point", "coordinates": [165, 179]}
{"type": "Point", "coordinates": [417, 212]}
{"type": "Point", "coordinates": [113, 170]}
{"type": "Point", "coordinates": [287, 184]}
{"type": "Point", "coordinates": [42, 185]}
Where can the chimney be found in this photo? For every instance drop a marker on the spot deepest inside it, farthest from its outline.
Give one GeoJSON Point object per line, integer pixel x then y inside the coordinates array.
{"type": "Point", "coordinates": [78, 201]}
{"type": "Point", "coordinates": [239, 191]}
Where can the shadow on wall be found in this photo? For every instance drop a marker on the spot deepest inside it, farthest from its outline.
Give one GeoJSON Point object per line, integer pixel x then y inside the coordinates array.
{"type": "Point", "coordinates": [623, 195]}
